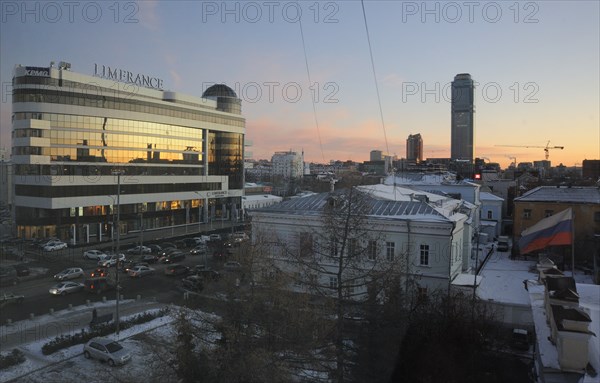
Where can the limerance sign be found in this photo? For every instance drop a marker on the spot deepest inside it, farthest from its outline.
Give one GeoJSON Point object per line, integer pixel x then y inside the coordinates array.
{"type": "Point", "coordinates": [122, 75]}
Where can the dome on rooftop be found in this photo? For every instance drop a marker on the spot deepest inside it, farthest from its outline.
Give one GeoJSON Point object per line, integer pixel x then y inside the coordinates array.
{"type": "Point", "coordinates": [219, 90]}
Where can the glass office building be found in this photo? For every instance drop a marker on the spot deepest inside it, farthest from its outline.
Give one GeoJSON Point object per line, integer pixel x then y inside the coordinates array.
{"type": "Point", "coordinates": [178, 158]}
{"type": "Point", "coordinates": [463, 114]}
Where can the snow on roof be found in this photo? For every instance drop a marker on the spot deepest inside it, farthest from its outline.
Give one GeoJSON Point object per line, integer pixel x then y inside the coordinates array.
{"type": "Point", "coordinates": [503, 280]}
{"type": "Point", "coordinates": [547, 351]}
{"type": "Point", "coordinates": [589, 301]}
{"type": "Point", "coordinates": [261, 197]}
{"type": "Point", "coordinates": [485, 196]}
{"type": "Point", "coordinates": [398, 193]}
{"type": "Point", "coordinates": [575, 194]}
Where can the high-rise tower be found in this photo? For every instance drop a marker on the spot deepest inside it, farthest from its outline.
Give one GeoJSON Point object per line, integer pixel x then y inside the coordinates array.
{"type": "Point", "coordinates": [463, 118]}
{"type": "Point", "coordinates": [414, 148]}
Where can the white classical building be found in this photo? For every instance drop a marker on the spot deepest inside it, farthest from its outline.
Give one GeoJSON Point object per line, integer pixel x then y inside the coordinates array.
{"type": "Point", "coordinates": [427, 233]}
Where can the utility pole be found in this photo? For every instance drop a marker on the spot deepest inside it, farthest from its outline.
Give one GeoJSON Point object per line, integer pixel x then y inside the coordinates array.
{"type": "Point", "coordinates": [118, 174]}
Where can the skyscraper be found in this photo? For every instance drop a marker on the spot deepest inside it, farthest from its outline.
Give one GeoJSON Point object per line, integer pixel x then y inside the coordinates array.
{"type": "Point", "coordinates": [463, 121]}
{"type": "Point", "coordinates": [414, 148]}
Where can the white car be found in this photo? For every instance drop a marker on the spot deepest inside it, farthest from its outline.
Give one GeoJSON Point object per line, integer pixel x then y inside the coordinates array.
{"type": "Point", "coordinates": [70, 273]}
{"type": "Point", "coordinates": [94, 254]}
{"type": "Point", "coordinates": [140, 271]}
{"type": "Point", "coordinates": [111, 260]}
{"type": "Point", "coordinates": [55, 246]}
{"type": "Point", "coordinates": [139, 250]}
{"type": "Point", "coordinates": [64, 288]}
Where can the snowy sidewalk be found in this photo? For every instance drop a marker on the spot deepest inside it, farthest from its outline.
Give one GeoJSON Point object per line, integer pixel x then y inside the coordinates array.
{"type": "Point", "coordinates": [65, 322]}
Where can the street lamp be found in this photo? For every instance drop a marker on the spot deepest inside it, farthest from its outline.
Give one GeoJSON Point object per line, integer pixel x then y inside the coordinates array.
{"type": "Point", "coordinates": [118, 174]}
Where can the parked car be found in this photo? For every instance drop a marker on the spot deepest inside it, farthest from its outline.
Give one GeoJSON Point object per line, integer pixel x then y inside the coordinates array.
{"type": "Point", "coordinates": [177, 269]}
{"type": "Point", "coordinates": [149, 258]}
{"type": "Point", "coordinates": [215, 237]}
{"type": "Point", "coordinates": [199, 249]}
{"type": "Point", "coordinates": [167, 250]}
{"type": "Point", "coordinates": [189, 242]}
{"type": "Point", "coordinates": [239, 236]}
{"type": "Point", "coordinates": [193, 282]}
{"type": "Point", "coordinates": [180, 243]}
{"type": "Point", "coordinates": [106, 350]}
{"type": "Point", "coordinates": [54, 246]}
{"type": "Point", "coordinates": [98, 285]}
{"type": "Point", "coordinates": [174, 257]}
{"type": "Point", "coordinates": [22, 270]}
{"type": "Point", "coordinates": [232, 266]}
{"type": "Point", "coordinates": [207, 274]}
{"type": "Point", "coordinates": [166, 245]}
{"type": "Point", "coordinates": [64, 288]}
{"type": "Point", "coordinates": [7, 299]}
{"type": "Point", "coordinates": [70, 273]}
{"type": "Point", "coordinates": [43, 242]}
{"type": "Point", "coordinates": [140, 271]}
{"type": "Point", "coordinates": [111, 260]}
{"type": "Point", "coordinates": [154, 248]}
{"type": "Point", "coordinates": [94, 254]}
{"type": "Point", "coordinates": [139, 250]}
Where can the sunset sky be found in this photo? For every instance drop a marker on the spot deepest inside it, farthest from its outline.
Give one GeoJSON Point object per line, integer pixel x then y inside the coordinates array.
{"type": "Point", "coordinates": [536, 64]}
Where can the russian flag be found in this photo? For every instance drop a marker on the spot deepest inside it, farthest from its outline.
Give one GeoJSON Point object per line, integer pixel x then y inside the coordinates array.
{"type": "Point", "coordinates": [554, 230]}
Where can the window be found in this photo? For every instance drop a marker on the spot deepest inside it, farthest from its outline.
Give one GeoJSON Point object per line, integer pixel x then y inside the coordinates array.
{"type": "Point", "coordinates": [352, 247]}
{"type": "Point", "coordinates": [372, 250]}
{"type": "Point", "coordinates": [548, 213]}
{"type": "Point", "coordinates": [333, 249]}
{"type": "Point", "coordinates": [305, 245]}
{"type": "Point", "coordinates": [390, 250]}
{"type": "Point", "coordinates": [527, 214]}
{"type": "Point", "coordinates": [424, 255]}
{"type": "Point", "coordinates": [333, 282]}
{"type": "Point", "coordinates": [489, 214]}
{"type": "Point", "coordinates": [597, 216]}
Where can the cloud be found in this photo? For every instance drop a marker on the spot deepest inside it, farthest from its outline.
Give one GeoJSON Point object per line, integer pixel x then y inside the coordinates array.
{"type": "Point", "coordinates": [147, 14]}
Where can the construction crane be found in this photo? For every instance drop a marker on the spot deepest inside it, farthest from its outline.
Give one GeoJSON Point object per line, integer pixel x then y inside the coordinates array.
{"type": "Point", "coordinates": [546, 148]}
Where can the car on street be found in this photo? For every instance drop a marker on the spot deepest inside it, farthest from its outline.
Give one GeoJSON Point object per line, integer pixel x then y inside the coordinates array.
{"type": "Point", "coordinates": [111, 260]}
{"type": "Point", "coordinates": [94, 254]}
{"type": "Point", "coordinates": [190, 242]}
{"type": "Point", "coordinates": [166, 245]}
{"type": "Point", "coordinates": [106, 350]}
{"type": "Point", "coordinates": [173, 257]}
{"type": "Point", "coordinates": [54, 246]}
{"type": "Point", "coordinates": [98, 285]}
{"type": "Point", "coordinates": [215, 237]}
{"type": "Point", "coordinates": [193, 283]}
{"type": "Point", "coordinates": [22, 270]}
{"type": "Point", "coordinates": [99, 272]}
{"type": "Point", "coordinates": [139, 250]}
{"type": "Point", "coordinates": [232, 266]}
{"type": "Point", "coordinates": [70, 273]}
{"type": "Point", "coordinates": [140, 271]}
{"type": "Point", "coordinates": [128, 265]}
{"type": "Point", "coordinates": [199, 249]}
{"type": "Point", "coordinates": [43, 242]}
{"type": "Point", "coordinates": [177, 269]}
{"type": "Point", "coordinates": [64, 288]}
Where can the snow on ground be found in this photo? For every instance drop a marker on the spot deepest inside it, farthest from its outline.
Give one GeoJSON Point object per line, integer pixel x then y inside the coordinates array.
{"type": "Point", "coordinates": [147, 342]}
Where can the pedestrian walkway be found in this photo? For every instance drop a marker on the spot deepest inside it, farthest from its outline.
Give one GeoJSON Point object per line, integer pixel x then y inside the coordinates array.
{"type": "Point", "coordinates": [66, 322]}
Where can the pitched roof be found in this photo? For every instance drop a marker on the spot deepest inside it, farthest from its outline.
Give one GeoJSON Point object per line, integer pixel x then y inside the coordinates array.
{"type": "Point", "coordinates": [575, 194]}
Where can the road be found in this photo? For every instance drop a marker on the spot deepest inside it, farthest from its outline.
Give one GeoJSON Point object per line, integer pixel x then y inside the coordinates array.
{"type": "Point", "coordinates": [39, 301]}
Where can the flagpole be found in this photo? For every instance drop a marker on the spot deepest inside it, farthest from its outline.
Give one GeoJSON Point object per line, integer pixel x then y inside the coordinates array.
{"type": "Point", "coordinates": [572, 243]}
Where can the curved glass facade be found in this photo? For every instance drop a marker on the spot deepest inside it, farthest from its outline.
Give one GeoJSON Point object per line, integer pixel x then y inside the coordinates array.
{"type": "Point", "coordinates": [51, 140]}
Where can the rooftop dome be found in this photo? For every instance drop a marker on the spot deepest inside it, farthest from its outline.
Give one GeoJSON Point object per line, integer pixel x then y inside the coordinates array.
{"type": "Point", "coordinates": [219, 90]}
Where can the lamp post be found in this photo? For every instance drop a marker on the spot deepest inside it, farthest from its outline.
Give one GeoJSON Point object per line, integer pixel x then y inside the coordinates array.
{"type": "Point", "coordinates": [118, 174]}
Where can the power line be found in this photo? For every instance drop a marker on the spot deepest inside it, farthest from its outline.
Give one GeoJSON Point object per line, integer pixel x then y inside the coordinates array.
{"type": "Point", "coordinates": [375, 77]}
{"type": "Point", "coordinates": [310, 84]}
